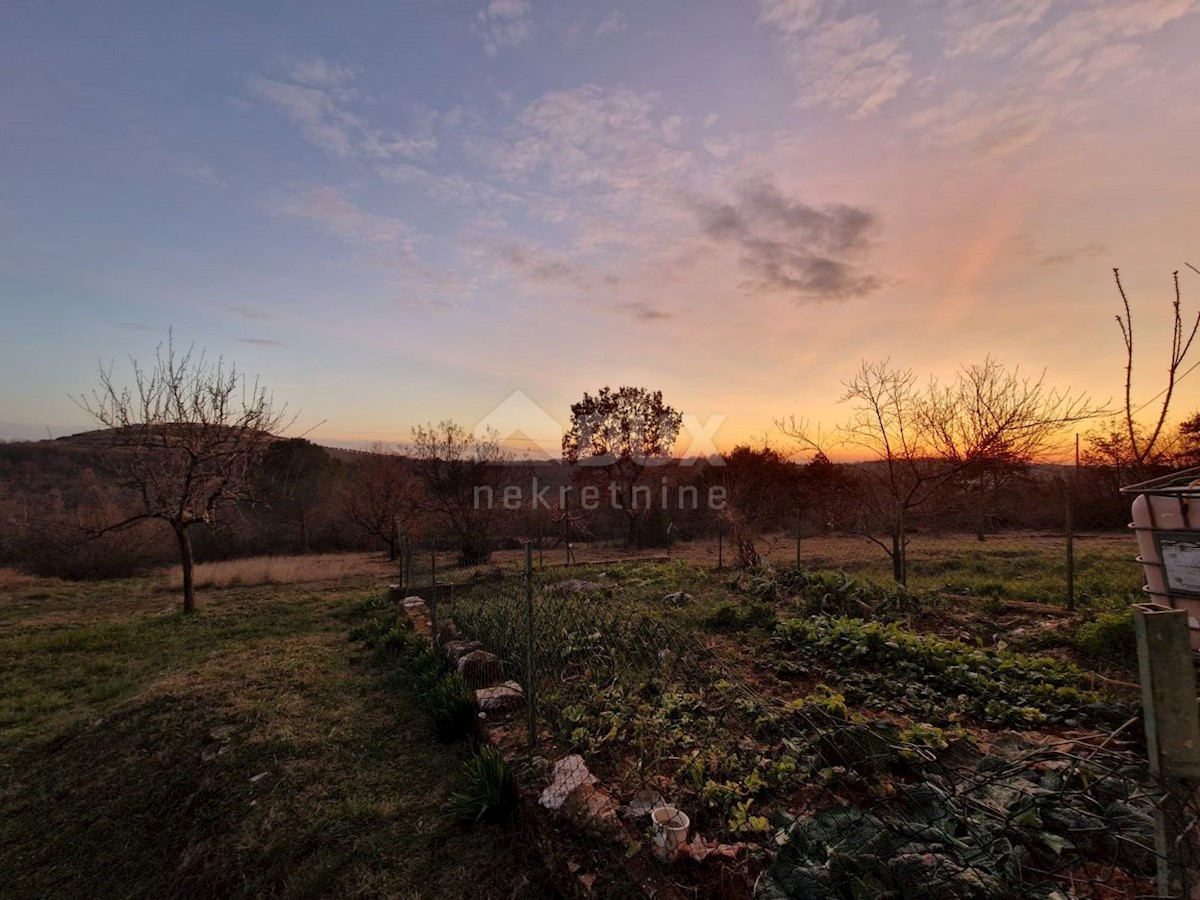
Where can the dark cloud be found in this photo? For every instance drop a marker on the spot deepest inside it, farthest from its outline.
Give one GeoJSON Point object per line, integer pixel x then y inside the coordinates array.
{"type": "Point", "coordinates": [811, 253]}
{"type": "Point", "coordinates": [644, 313]}
{"type": "Point", "coordinates": [1067, 257]}
{"type": "Point", "coordinates": [537, 265]}
{"type": "Point", "coordinates": [260, 342]}
{"type": "Point", "coordinates": [134, 326]}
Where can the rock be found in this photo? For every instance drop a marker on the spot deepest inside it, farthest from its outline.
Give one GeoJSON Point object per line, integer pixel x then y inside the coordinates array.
{"type": "Point", "coordinates": [641, 805]}
{"type": "Point", "coordinates": [479, 668]}
{"type": "Point", "coordinates": [569, 773]}
{"type": "Point", "coordinates": [590, 804]}
{"type": "Point", "coordinates": [456, 650]}
{"type": "Point", "coordinates": [222, 732]}
{"type": "Point", "coordinates": [575, 586]}
{"type": "Point", "coordinates": [500, 698]}
{"type": "Point", "coordinates": [413, 602]}
{"type": "Point", "coordinates": [677, 598]}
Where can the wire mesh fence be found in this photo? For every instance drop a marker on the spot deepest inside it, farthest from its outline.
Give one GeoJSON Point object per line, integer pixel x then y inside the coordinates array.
{"type": "Point", "coordinates": [785, 787]}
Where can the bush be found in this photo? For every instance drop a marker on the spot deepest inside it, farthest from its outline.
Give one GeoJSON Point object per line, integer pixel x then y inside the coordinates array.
{"type": "Point", "coordinates": [451, 706]}
{"type": "Point", "coordinates": [487, 790]}
{"type": "Point", "coordinates": [1110, 638]}
{"type": "Point", "coordinates": [732, 617]}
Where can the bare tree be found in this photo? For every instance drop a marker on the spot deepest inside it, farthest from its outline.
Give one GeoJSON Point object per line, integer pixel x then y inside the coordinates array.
{"type": "Point", "coordinates": [383, 498]}
{"type": "Point", "coordinates": [920, 438]}
{"type": "Point", "coordinates": [461, 474]}
{"type": "Point", "coordinates": [185, 439]}
{"type": "Point", "coordinates": [1143, 444]}
{"type": "Point", "coordinates": [618, 435]}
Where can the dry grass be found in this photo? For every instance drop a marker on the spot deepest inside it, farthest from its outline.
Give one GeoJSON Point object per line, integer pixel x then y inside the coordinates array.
{"type": "Point", "coordinates": [329, 568]}
{"type": "Point", "coordinates": [11, 580]}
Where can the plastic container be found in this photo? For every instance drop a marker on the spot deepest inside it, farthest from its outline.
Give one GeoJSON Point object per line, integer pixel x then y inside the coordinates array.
{"type": "Point", "coordinates": [670, 831]}
{"type": "Point", "coordinates": [1166, 522]}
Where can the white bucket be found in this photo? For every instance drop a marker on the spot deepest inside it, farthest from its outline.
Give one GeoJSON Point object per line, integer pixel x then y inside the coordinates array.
{"type": "Point", "coordinates": [670, 831]}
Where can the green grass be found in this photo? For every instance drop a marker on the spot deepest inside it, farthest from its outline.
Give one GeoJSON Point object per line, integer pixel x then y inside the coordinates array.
{"type": "Point", "coordinates": [250, 750]}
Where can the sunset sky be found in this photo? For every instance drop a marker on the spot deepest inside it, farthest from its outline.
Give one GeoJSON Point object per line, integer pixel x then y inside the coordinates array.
{"type": "Point", "coordinates": [403, 211]}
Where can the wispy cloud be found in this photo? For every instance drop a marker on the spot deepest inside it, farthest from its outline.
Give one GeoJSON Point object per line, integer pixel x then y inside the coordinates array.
{"type": "Point", "coordinates": [1075, 254]}
{"type": "Point", "coordinates": [789, 247]}
{"type": "Point", "coordinates": [260, 342]}
{"type": "Point", "coordinates": [252, 314]}
{"type": "Point", "coordinates": [613, 23]}
{"type": "Point", "coordinates": [330, 209]}
{"type": "Point", "coordinates": [317, 96]}
{"type": "Point", "coordinates": [845, 62]}
{"type": "Point", "coordinates": [201, 173]}
{"type": "Point", "coordinates": [642, 312]}
{"type": "Point", "coordinates": [504, 23]}
{"type": "Point", "coordinates": [134, 326]}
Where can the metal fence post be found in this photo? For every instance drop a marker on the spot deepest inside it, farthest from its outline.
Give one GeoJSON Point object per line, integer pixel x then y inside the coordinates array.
{"type": "Point", "coordinates": [433, 587]}
{"type": "Point", "coordinates": [1172, 738]}
{"type": "Point", "coordinates": [798, 515]}
{"type": "Point", "coordinates": [1070, 525]}
{"type": "Point", "coordinates": [530, 702]}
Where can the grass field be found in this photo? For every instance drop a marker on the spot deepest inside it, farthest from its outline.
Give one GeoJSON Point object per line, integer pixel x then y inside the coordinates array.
{"type": "Point", "coordinates": [249, 750]}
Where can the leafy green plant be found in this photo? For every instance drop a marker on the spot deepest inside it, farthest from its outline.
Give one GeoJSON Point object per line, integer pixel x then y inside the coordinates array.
{"type": "Point", "coordinates": [486, 790]}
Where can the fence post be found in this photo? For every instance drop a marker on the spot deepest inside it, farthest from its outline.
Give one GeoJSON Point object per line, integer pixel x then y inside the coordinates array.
{"type": "Point", "coordinates": [902, 548]}
{"type": "Point", "coordinates": [798, 515]}
{"type": "Point", "coordinates": [720, 544]}
{"type": "Point", "coordinates": [433, 587]}
{"type": "Point", "coordinates": [1070, 525]}
{"type": "Point", "coordinates": [530, 702]}
{"type": "Point", "coordinates": [670, 526]}
{"type": "Point", "coordinates": [1172, 738]}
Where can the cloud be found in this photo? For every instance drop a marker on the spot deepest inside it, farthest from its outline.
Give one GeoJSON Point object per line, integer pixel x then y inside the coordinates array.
{"type": "Point", "coordinates": [260, 342]}
{"type": "Point", "coordinates": [134, 326]}
{"type": "Point", "coordinates": [252, 314]}
{"type": "Point", "coordinates": [805, 252]}
{"type": "Point", "coordinates": [645, 313]}
{"type": "Point", "coordinates": [339, 216]}
{"type": "Point", "coordinates": [201, 173]}
{"type": "Point", "coordinates": [995, 27]}
{"type": "Point", "coordinates": [1066, 257]}
{"type": "Point", "coordinates": [504, 23]}
{"type": "Point", "coordinates": [993, 124]}
{"type": "Point", "coordinates": [317, 100]}
{"type": "Point", "coordinates": [613, 24]}
{"type": "Point", "coordinates": [840, 62]}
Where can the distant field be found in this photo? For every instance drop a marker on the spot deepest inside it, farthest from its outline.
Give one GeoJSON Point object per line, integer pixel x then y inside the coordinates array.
{"type": "Point", "coordinates": [259, 570]}
{"type": "Point", "coordinates": [1030, 566]}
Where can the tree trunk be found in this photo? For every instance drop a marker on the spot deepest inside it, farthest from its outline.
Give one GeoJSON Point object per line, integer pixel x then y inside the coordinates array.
{"type": "Point", "coordinates": [897, 556]}
{"type": "Point", "coordinates": [187, 564]}
{"type": "Point", "coordinates": [304, 546]}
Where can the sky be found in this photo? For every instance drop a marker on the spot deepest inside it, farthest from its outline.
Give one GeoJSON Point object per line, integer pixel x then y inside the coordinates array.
{"type": "Point", "coordinates": [406, 211]}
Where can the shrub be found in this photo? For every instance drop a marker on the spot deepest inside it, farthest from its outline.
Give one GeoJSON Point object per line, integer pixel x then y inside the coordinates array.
{"type": "Point", "coordinates": [452, 709]}
{"type": "Point", "coordinates": [1109, 638]}
{"type": "Point", "coordinates": [487, 790]}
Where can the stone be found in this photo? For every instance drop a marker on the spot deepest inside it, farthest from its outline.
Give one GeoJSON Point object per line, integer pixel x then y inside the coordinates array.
{"type": "Point", "coordinates": [479, 668]}
{"type": "Point", "coordinates": [500, 698]}
{"type": "Point", "coordinates": [413, 602]}
{"type": "Point", "coordinates": [569, 773]}
{"type": "Point", "coordinates": [456, 650]}
{"type": "Point", "coordinates": [677, 598]}
{"type": "Point", "coordinates": [575, 586]}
